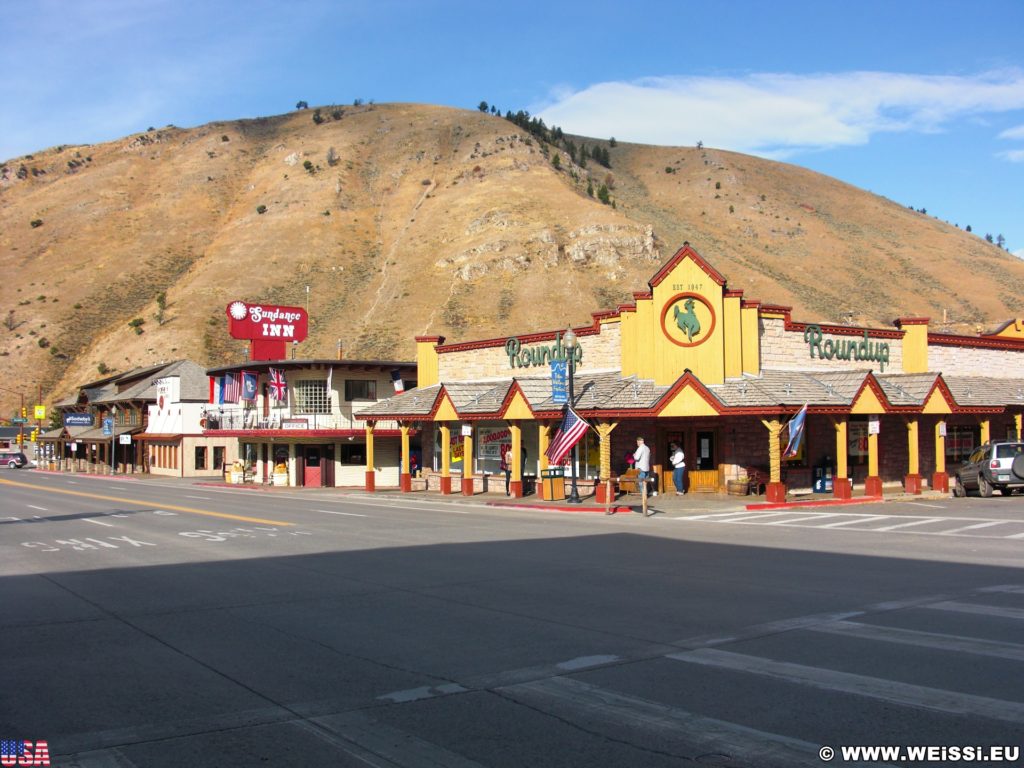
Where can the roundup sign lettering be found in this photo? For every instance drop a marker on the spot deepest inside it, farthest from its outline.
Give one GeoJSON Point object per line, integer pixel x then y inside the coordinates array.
{"type": "Point", "coordinates": [846, 349]}
{"type": "Point", "coordinates": [268, 328]}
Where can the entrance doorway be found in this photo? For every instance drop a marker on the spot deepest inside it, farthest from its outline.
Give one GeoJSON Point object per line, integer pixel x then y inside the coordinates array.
{"type": "Point", "coordinates": [311, 472]}
{"type": "Point", "coordinates": [703, 462]}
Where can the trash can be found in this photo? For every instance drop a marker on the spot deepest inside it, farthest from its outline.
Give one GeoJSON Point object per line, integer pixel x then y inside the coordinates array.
{"type": "Point", "coordinates": [823, 474]}
{"type": "Point", "coordinates": [552, 484]}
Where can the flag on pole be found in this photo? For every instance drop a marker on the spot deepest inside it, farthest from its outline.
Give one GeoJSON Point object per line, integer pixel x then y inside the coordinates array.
{"type": "Point", "coordinates": [796, 433]}
{"type": "Point", "coordinates": [232, 388]}
{"type": "Point", "coordinates": [396, 379]}
{"type": "Point", "coordinates": [278, 385]}
{"type": "Point", "coordinates": [249, 385]}
{"type": "Point", "coordinates": [571, 431]}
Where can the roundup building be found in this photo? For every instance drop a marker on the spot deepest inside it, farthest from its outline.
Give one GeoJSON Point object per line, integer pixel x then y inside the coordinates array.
{"type": "Point", "coordinates": [693, 361]}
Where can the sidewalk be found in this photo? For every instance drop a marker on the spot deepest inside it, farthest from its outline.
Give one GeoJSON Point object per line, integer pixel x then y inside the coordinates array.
{"type": "Point", "coordinates": [662, 504]}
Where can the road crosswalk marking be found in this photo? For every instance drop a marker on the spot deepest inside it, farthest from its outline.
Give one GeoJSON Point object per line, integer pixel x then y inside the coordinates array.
{"type": "Point", "coordinates": [892, 691]}
{"type": "Point", "coordinates": [982, 610]}
{"type": "Point", "coordinates": [957, 643]}
{"type": "Point", "coordinates": [867, 523]}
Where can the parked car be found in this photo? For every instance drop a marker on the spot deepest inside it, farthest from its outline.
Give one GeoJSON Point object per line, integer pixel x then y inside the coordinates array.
{"type": "Point", "coordinates": [15, 460]}
{"type": "Point", "coordinates": [995, 466]}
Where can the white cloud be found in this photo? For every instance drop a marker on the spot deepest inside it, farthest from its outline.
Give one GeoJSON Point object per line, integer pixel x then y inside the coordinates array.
{"type": "Point", "coordinates": [1013, 133]}
{"type": "Point", "coordinates": [1013, 155]}
{"type": "Point", "coordinates": [779, 114]}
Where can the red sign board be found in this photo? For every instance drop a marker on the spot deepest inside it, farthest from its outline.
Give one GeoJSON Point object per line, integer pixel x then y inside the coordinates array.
{"type": "Point", "coordinates": [269, 328]}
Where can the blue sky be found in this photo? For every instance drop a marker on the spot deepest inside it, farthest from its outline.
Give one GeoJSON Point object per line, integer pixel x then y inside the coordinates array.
{"type": "Point", "coordinates": [922, 102]}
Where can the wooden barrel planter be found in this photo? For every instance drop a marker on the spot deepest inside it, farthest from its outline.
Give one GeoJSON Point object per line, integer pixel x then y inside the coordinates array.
{"type": "Point", "coordinates": [737, 487]}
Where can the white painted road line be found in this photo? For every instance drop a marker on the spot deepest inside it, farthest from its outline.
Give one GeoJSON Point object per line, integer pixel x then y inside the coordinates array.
{"type": "Point", "coordinates": [981, 610]}
{"type": "Point", "coordinates": [905, 694]}
{"type": "Point", "coordinates": [859, 519]}
{"type": "Point", "coordinates": [33, 506]}
{"type": "Point", "coordinates": [576, 700]}
{"type": "Point", "coordinates": [346, 514]}
{"type": "Point", "coordinates": [97, 522]}
{"type": "Point", "coordinates": [802, 519]}
{"type": "Point", "coordinates": [914, 637]}
{"type": "Point", "coordinates": [974, 527]}
{"type": "Point", "coordinates": [204, 498]}
{"type": "Point", "coordinates": [919, 521]}
{"type": "Point", "coordinates": [922, 504]}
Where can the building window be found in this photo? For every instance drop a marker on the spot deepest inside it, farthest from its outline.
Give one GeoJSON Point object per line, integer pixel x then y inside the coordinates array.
{"type": "Point", "coordinates": [961, 441]}
{"type": "Point", "coordinates": [311, 396]}
{"type": "Point", "coordinates": [218, 457]}
{"type": "Point", "coordinates": [200, 457]}
{"type": "Point", "coordinates": [358, 389]}
{"type": "Point", "coordinates": [353, 453]}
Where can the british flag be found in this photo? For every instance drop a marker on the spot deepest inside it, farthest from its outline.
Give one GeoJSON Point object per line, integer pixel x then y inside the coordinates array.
{"type": "Point", "coordinates": [278, 386]}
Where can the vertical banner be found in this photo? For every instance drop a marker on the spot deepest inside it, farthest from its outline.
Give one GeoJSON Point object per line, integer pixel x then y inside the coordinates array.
{"type": "Point", "coordinates": [560, 382]}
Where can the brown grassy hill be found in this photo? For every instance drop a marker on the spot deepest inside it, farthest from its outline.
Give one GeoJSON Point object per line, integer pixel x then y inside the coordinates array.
{"type": "Point", "coordinates": [409, 219]}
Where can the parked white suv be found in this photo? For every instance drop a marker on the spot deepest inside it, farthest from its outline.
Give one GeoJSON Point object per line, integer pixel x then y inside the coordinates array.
{"type": "Point", "coordinates": [992, 467]}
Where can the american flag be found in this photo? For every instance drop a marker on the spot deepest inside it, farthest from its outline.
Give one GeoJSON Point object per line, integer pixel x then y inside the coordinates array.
{"type": "Point", "coordinates": [796, 434]}
{"type": "Point", "coordinates": [571, 431]}
{"type": "Point", "coordinates": [232, 388]}
{"type": "Point", "coordinates": [278, 386]}
{"type": "Point", "coordinates": [12, 748]}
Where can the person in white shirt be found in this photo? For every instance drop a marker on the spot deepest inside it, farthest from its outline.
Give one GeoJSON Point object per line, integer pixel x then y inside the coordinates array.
{"type": "Point", "coordinates": [642, 456]}
{"type": "Point", "coordinates": [678, 460]}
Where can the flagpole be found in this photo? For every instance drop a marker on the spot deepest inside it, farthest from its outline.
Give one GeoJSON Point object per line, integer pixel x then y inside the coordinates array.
{"type": "Point", "coordinates": [570, 341]}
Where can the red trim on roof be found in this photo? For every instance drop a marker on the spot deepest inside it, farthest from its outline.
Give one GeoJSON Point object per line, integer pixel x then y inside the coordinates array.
{"type": "Point", "coordinates": [686, 252]}
{"type": "Point", "coordinates": [952, 340]}
{"type": "Point", "coordinates": [899, 322]}
{"type": "Point", "coordinates": [529, 338]}
{"type": "Point", "coordinates": [435, 339]}
{"type": "Point", "coordinates": [733, 294]}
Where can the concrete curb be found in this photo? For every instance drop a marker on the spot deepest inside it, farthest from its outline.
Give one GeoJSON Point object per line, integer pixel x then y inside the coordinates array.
{"type": "Point", "coordinates": [573, 508]}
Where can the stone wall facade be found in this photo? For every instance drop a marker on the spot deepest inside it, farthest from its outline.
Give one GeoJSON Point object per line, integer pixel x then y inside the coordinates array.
{"type": "Point", "coordinates": [787, 350]}
{"type": "Point", "coordinates": [601, 352]}
{"type": "Point", "coordinates": [975, 361]}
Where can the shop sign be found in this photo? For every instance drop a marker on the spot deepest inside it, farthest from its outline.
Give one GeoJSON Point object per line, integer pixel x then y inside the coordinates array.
{"type": "Point", "coordinates": [259, 322]}
{"type": "Point", "coordinates": [294, 423]}
{"type": "Point", "coordinates": [559, 382]}
{"type": "Point", "coordinates": [846, 349]}
{"type": "Point", "coordinates": [77, 419]}
{"type": "Point", "coordinates": [124, 439]}
{"type": "Point", "coordinates": [874, 426]}
{"type": "Point", "coordinates": [528, 357]}
{"type": "Point", "coordinates": [492, 439]}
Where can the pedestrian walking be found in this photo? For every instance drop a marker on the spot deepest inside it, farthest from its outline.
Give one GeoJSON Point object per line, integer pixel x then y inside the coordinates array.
{"type": "Point", "coordinates": [506, 467]}
{"type": "Point", "coordinates": [677, 458]}
{"type": "Point", "coordinates": [642, 457]}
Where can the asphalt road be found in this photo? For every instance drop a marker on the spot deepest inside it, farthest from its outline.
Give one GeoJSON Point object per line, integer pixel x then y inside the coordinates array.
{"type": "Point", "coordinates": [150, 623]}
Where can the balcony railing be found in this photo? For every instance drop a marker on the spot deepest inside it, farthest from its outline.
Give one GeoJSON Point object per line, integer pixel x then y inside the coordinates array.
{"type": "Point", "coordinates": [227, 418]}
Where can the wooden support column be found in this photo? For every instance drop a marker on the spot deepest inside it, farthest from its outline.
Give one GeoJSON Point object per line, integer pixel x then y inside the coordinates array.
{"type": "Point", "coordinates": [371, 472]}
{"type": "Point", "coordinates": [603, 494]}
{"type": "Point", "coordinates": [776, 490]}
{"type": "Point", "coordinates": [940, 480]}
{"type": "Point", "coordinates": [873, 482]}
{"type": "Point", "coordinates": [912, 482]}
{"type": "Point", "coordinates": [516, 483]}
{"type": "Point", "coordinates": [467, 465]}
{"type": "Point", "coordinates": [404, 474]}
{"type": "Point", "coordinates": [543, 440]}
{"type": "Point", "coordinates": [986, 430]}
{"type": "Point", "coordinates": [1017, 419]}
{"type": "Point", "coordinates": [446, 458]}
{"type": "Point", "coordinates": [842, 488]}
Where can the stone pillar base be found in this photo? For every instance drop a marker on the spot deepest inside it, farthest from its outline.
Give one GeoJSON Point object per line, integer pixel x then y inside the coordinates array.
{"type": "Point", "coordinates": [467, 486]}
{"type": "Point", "coordinates": [873, 486]}
{"type": "Point", "coordinates": [842, 488]}
{"type": "Point", "coordinates": [912, 483]}
{"type": "Point", "coordinates": [940, 482]}
{"type": "Point", "coordinates": [405, 482]}
{"type": "Point", "coordinates": [602, 494]}
{"type": "Point", "coordinates": [446, 486]}
{"type": "Point", "coordinates": [776, 493]}
{"type": "Point", "coordinates": [515, 489]}
{"type": "Point", "coordinates": [371, 481]}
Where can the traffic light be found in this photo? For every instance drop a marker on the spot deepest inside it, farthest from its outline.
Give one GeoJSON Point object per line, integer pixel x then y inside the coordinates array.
{"type": "Point", "coordinates": [35, 434]}
{"type": "Point", "coordinates": [21, 441]}
{"type": "Point", "coordinates": [24, 412]}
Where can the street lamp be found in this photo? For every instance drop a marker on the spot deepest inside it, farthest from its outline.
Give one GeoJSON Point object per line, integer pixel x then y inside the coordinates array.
{"type": "Point", "coordinates": [570, 341]}
{"type": "Point", "coordinates": [113, 444]}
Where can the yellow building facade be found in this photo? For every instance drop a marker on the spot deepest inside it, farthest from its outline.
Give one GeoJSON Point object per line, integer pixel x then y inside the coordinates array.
{"type": "Point", "coordinates": [695, 362]}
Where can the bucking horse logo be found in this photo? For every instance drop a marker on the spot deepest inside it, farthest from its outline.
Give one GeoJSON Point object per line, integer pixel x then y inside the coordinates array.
{"type": "Point", "coordinates": [687, 321]}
